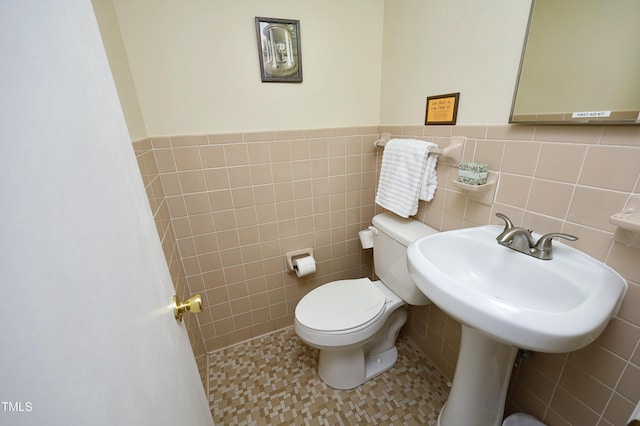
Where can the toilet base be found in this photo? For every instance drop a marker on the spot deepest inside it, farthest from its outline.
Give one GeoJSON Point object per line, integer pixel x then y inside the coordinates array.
{"type": "Point", "coordinates": [349, 368]}
{"type": "Point", "coordinates": [376, 365]}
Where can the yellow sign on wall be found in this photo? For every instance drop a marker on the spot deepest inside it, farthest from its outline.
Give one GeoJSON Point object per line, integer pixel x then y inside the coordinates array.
{"type": "Point", "coordinates": [442, 109]}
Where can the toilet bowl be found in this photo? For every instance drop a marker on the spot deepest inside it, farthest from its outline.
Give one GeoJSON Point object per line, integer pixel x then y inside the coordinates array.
{"type": "Point", "coordinates": [355, 323]}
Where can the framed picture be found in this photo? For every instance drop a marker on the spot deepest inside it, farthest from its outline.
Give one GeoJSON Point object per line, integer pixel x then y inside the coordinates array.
{"type": "Point", "coordinates": [442, 109]}
{"type": "Point", "coordinates": [279, 50]}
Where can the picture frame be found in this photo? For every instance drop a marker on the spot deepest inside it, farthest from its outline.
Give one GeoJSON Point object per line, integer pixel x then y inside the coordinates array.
{"type": "Point", "coordinates": [442, 109]}
{"type": "Point", "coordinates": [279, 50]}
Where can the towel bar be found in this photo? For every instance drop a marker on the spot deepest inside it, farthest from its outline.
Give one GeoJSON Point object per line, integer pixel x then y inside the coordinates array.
{"type": "Point", "coordinates": [453, 152]}
{"type": "Point", "coordinates": [386, 137]}
{"type": "Point", "coordinates": [382, 140]}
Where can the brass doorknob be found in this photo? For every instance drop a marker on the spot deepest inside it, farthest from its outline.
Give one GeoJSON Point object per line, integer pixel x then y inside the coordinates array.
{"type": "Point", "coordinates": [192, 304]}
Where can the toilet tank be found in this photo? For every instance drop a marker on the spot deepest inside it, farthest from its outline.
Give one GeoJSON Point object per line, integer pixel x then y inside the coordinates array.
{"type": "Point", "coordinates": [390, 254]}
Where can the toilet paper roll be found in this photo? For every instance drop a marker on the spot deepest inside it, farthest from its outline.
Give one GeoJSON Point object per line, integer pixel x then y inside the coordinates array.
{"type": "Point", "coordinates": [304, 266]}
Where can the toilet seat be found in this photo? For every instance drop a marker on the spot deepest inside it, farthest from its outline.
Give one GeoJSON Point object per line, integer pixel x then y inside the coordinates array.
{"type": "Point", "coordinates": [341, 306]}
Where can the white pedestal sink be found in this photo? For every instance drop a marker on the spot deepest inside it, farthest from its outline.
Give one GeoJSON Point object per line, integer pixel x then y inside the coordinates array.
{"type": "Point", "coordinates": [481, 381]}
{"type": "Point", "coordinates": [507, 300]}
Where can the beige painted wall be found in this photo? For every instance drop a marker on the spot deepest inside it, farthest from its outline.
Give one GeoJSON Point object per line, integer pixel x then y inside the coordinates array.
{"type": "Point", "coordinates": [195, 65]}
{"type": "Point", "coordinates": [119, 64]}
{"type": "Point", "coordinates": [434, 47]}
{"type": "Point", "coordinates": [206, 76]}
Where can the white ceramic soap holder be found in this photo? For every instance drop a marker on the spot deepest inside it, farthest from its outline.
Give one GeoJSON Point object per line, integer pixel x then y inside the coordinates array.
{"type": "Point", "coordinates": [628, 223]}
{"type": "Point", "coordinates": [629, 217]}
{"type": "Point", "coordinates": [484, 193]}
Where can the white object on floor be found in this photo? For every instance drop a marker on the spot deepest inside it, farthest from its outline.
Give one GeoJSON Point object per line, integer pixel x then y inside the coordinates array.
{"type": "Point", "coordinates": [521, 419]}
{"type": "Point", "coordinates": [634, 420]}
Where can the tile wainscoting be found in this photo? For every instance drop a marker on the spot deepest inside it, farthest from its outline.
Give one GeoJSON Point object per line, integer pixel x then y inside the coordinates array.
{"type": "Point", "coordinates": [228, 206]}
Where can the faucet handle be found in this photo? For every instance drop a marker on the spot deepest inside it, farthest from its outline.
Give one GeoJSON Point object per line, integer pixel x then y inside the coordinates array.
{"type": "Point", "coordinates": [507, 222]}
{"type": "Point", "coordinates": [544, 243]}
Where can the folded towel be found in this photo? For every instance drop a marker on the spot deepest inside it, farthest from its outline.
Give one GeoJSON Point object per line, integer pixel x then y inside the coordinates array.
{"type": "Point", "coordinates": [407, 174]}
{"type": "Point", "coordinates": [430, 180]}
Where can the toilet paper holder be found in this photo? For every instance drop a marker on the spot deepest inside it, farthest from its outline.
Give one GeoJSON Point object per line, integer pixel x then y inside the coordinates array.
{"type": "Point", "coordinates": [291, 255]}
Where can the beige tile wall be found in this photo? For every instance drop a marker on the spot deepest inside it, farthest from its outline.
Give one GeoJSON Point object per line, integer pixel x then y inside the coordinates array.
{"type": "Point", "coordinates": [238, 202]}
{"type": "Point", "coordinates": [568, 179]}
{"type": "Point", "coordinates": [158, 204]}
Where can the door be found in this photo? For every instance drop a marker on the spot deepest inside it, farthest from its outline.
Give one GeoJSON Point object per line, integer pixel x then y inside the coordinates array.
{"type": "Point", "coordinates": [87, 333]}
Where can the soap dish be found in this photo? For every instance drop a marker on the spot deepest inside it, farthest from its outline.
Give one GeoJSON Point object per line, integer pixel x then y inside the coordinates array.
{"type": "Point", "coordinates": [469, 187]}
{"type": "Point", "coordinates": [629, 218]}
{"type": "Point", "coordinates": [481, 193]}
{"type": "Point", "coordinates": [628, 221]}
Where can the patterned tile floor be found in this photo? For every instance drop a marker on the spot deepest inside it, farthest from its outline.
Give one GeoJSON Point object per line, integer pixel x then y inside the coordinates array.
{"type": "Point", "coordinates": [272, 380]}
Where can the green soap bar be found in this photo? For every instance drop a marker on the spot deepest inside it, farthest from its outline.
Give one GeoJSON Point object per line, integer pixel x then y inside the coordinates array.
{"type": "Point", "coordinates": [473, 173]}
{"type": "Point", "coordinates": [474, 167]}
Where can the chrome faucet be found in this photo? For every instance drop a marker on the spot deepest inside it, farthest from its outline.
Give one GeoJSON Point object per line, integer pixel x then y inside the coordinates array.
{"type": "Point", "coordinates": [521, 239]}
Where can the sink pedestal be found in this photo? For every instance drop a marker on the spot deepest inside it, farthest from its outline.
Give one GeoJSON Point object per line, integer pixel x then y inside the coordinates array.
{"type": "Point", "coordinates": [480, 382]}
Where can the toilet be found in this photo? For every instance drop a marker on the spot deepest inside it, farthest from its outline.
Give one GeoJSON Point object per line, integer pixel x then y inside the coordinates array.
{"type": "Point", "coordinates": [355, 323]}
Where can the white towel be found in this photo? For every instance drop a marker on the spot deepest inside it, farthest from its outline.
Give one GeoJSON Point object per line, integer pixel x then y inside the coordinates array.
{"type": "Point", "coordinates": [407, 174]}
{"type": "Point", "coordinates": [430, 180]}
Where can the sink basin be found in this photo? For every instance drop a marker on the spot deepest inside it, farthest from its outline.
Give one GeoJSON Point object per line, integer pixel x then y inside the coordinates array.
{"type": "Point", "coordinates": [557, 305]}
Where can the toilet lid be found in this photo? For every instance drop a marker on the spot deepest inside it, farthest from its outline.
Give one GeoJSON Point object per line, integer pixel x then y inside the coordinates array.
{"type": "Point", "coordinates": [340, 305]}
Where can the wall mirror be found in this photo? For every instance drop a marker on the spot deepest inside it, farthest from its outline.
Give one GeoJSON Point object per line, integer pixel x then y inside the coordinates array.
{"type": "Point", "coordinates": [580, 63]}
